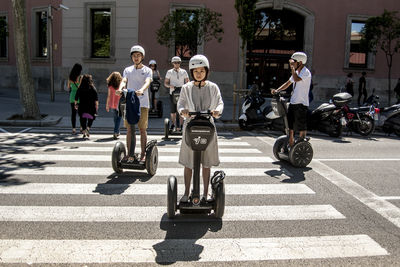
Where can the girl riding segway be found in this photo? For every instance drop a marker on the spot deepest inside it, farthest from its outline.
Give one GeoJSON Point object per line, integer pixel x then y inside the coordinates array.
{"type": "Point", "coordinates": [199, 95]}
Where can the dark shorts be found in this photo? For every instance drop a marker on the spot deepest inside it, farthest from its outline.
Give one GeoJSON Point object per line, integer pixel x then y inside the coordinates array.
{"type": "Point", "coordinates": [297, 117]}
{"type": "Point", "coordinates": [171, 103]}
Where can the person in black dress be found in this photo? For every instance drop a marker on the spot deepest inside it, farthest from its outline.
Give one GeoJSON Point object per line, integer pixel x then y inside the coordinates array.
{"type": "Point", "coordinates": [88, 103]}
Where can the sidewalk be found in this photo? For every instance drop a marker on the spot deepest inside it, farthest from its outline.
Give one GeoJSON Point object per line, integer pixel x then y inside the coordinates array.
{"type": "Point", "coordinates": [59, 112]}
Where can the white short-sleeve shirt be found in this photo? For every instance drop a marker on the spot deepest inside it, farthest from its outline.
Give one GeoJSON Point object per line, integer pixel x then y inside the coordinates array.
{"type": "Point", "coordinates": [136, 79]}
{"type": "Point", "coordinates": [177, 78]}
{"type": "Point", "coordinates": [301, 88]}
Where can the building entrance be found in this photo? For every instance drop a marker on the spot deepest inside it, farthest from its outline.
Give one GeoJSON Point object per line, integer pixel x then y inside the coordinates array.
{"type": "Point", "coordinates": [279, 33]}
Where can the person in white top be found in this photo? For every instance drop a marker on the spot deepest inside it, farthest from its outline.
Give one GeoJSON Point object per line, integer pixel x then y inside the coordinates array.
{"type": "Point", "coordinates": [199, 95]}
{"type": "Point", "coordinates": [299, 101]}
{"type": "Point", "coordinates": [174, 79]}
{"type": "Point", "coordinates": [137, 77]}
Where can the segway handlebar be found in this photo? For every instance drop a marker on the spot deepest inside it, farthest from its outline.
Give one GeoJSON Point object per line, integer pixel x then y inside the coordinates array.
{"type": "Point", "coordinates": [200, 113]}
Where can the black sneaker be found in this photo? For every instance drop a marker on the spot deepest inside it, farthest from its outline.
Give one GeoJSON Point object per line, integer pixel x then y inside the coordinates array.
{"type": "Point", "coordinates": [172, 127]}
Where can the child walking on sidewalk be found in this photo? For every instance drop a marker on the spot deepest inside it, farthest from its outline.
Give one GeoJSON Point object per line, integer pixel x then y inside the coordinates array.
{"type": "Point", "coordinates": [113, 82]}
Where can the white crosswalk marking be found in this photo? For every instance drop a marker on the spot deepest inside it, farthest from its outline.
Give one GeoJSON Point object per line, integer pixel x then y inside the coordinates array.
{"type": "Point", "coordinates": [29, 172]}
{"type": "Point", "coordinates": [156, 214]}
{"type": "Point", "coordinates": [145, 189]}
{"type": "Point", "coordinates": [107, 158]}
{"type": "Point", "coordinates": [183, 250]}
{"type": "Point", "coordinates": [108, 149]}
{"type": "Point", "coordinates": [84, 171]}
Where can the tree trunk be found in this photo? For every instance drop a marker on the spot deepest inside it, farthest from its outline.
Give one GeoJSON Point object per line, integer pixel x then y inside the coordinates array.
{"type": "Point", "coordinates": [390, 78]}
{"type": "Point", "coordinates": [25, 82]}
{"type": "Point", "coordinates": [241, 72]}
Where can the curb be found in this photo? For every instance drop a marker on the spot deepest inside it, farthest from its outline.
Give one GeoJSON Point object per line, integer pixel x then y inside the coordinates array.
{"type": "Point", "coordinates": [47, 121]}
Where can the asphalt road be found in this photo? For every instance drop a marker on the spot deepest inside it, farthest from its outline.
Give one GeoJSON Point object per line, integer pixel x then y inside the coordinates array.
{"type": "Point", "coordinates": [61, 203]}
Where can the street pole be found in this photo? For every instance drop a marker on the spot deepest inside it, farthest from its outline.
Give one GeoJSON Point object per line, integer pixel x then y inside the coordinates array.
{"type": "Point", "coordinates": [50, 28]}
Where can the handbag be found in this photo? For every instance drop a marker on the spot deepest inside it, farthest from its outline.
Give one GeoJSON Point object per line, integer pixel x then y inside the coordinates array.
{"type": "Point", "coordinates": [87, 116]}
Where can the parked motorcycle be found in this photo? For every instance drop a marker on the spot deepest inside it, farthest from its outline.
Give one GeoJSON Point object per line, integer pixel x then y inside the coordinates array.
{"type": "Point", "coordinates": [386, 118]}
{"type": "Point", "coordinates": [256, 112]}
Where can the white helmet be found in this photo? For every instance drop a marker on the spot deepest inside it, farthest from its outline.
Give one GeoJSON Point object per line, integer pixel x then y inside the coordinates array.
{"type": "Point", "coordinates": [299, 56]}
{"type": "Point", "coordinates": [176, 59]}
{"type": "Point", "coordinates": [137, 48]}
{"type": "Point", "coordinates": [198, 61]}
{"type": "Point", "coordinates": [152, 62]}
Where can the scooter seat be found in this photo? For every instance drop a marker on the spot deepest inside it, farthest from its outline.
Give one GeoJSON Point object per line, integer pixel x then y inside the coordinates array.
{"type": "Point", "coordinates": [324, 107]}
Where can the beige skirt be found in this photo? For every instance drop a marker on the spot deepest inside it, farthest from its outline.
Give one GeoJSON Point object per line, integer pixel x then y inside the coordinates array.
{"type": "Point", "coordinates": [209, 157]}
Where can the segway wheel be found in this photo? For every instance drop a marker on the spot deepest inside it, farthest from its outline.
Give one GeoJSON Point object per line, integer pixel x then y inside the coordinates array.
{"type": "Point", "coordinates": [219, 200]}
{"type": "Point", "coordinates": [118, 154]}
{"type": "Point", "coordinates": [301, 154]}
{"type": "Point", "coordinates": [152, 160]}
{"type": "Point", "coordinates": [172, 196]}
{"type": "Point", "coordinates": [279, 144]}
{"type": "Point", "coordinates": [159, 109]}
{"type": "Point", "coordinates": [166, 128]}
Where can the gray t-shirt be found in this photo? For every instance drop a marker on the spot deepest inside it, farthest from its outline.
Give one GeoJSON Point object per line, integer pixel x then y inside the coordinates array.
{"type": "Point", "coordinates": [201, 98]}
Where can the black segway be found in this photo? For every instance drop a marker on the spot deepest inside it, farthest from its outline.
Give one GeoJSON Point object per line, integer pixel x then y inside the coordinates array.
{"type": "Point", "coordinates": [150, 164]}
{"type": "Point", "coordinates": [301, 154]}
{"type": "Point", "coordinates": [167, 122]}
{"type": "Point", "coordinates": [158, 110]}
{"type": "Point", "coordinates": [118, 159]}
{"type": "Point", "coordinates": [199, 133]}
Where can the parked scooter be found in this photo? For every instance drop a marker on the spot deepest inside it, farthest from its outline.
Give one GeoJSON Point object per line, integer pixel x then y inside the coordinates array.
{"type": "Point", "coordinates": [256, 112]}
{"type": "Point", "coordinates": [387, 118]}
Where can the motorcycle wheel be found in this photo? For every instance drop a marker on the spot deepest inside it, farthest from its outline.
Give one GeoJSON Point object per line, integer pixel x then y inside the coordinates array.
{"type": "Point", "coordinates": [366, 125]}
{"type": "Point", "coordinates": [397, 132]}
{"type": "Point", "coordinates": [280, 143]}
{"type": "Point", "coordinates": [244, 125]}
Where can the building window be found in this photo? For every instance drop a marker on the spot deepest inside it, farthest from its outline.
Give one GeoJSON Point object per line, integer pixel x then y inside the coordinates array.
{"type": "Point", "coordinates": [188, 49]}
{"type": "Point", "coordinates": [100, 31]}
{"type": "Point", "coordinates": [100, 19]}
{"type": "Point", "coordinates": [41, 34]}
{"type": "Point", "coordinates": [355, 57]}
{"type": "Point", "coordinates": [3, 37]}
{"type": "Point", "coordinates": [185, 50]}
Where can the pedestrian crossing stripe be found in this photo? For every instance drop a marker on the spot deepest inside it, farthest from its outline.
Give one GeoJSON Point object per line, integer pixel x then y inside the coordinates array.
{"type": "Point", "coordinates": [107, 158]}
{"type": "Point", "coordinates": [109, 149]}
{"type": "Point", "coordinates": [95, 139]}
{"type": "Point", "coordinates": [188, 250]}
{"type": "Point", "coordinates": [157, 213]}
{"type": "Point", "coordinates": [85, 171]}
{"type": "Point", "coordinates": [145, 189]}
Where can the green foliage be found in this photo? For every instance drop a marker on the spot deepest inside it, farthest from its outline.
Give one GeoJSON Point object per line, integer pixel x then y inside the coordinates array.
{"type": "Point", "coordinates": [3, 28]}
{"type": "Point", "coordinates": [101, 33]}
{"type": "Point", "coordinates": [382, 32]}
{"type": "Point", "coordinates": [246, 10]}
{"type": "Point", "coordinates": [189, 28]}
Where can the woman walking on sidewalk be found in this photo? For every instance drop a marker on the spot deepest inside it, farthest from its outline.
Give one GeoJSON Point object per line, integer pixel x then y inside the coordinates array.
{"type": "Point", "coordinates": [74, 80]}
{"type": "Point", "coordinates": [88, 103]}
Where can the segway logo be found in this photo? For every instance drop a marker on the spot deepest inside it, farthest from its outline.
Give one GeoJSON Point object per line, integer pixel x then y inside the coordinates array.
{"type": "Point", "coordinates": [199, 140]}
